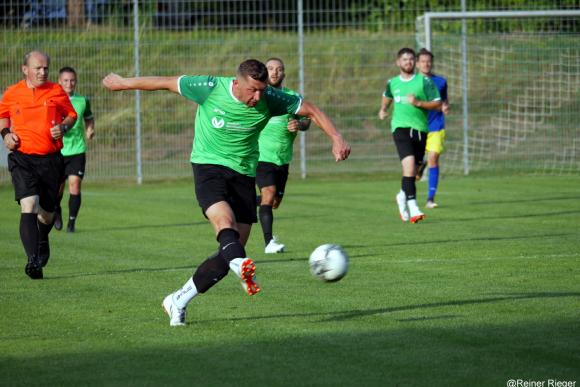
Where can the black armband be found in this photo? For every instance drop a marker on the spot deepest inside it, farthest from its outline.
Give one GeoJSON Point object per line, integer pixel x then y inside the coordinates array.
{"type": "Point", "coordinates": [4, 132]}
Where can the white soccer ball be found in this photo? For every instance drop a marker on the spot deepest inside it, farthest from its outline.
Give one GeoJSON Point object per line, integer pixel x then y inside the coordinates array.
{"type": "Point", "coordinates": [328, 262]}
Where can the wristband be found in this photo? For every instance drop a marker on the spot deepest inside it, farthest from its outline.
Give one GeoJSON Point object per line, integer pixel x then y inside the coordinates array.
{"type": "Point", "coordinates": [4, 132]}
{"type": "Point", "coordinates": [64, 128]}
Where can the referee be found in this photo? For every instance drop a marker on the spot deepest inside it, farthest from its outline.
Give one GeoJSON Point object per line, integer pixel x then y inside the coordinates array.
{"type": "Point", "coordinates": [34, 116]}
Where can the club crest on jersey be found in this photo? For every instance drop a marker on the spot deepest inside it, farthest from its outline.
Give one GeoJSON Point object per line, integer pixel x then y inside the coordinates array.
{"type": "Point", "coordinates": [217, 123]}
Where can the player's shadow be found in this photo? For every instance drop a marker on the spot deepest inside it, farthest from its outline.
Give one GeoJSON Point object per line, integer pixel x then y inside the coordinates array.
{"type": "Point", "coordinates": [478, 239]}
{"type": "Point", "coordinates": [496, 217]}
{"type": "Point", "coordinates": [142, 227]}
{"type": "Point", "coordinates": [353, 314]}
{"type": "Point", "coordinates": [120, 272]}
{"type": "Point", "coordinates": [550, 199]}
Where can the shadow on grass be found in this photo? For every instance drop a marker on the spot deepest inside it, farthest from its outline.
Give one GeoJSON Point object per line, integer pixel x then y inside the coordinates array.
{"type": "Point", "coordinates": [495, 217]}
{"type": "Point", "coordinates": [478, 239]}
{"type": "Point", "coordinates": [408, 355]}
{"type": "Point", "coordinates": [354, 314]}
{"type": "Point", "coordinates": [550, 199]}
{"type": "Point", "coordinates": [297, 258]}
{"type": "Point", "coordinates": [141, 227]}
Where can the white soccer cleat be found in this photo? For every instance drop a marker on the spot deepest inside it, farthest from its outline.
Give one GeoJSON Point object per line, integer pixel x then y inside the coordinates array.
{"type": "Point", "coordinates": [246, 270]}
{"type": "Point", "coordinates": [431, 204]}
{"type": "Point", "coordinates": [176, 315]}
{"type": "Point", "coordinates": [415, 212]}
{"type": "Point", "coordinates": [402, 203]}
{"type": "Point", "coordinates": [274, 247]}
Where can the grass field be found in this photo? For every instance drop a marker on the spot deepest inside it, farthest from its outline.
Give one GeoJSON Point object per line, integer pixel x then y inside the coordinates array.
{"type": "Point", "coordinates": [487, 289]}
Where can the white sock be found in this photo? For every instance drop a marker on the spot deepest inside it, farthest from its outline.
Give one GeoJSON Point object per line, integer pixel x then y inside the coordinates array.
{"type": "Point", "coordinates": [413, 208]}
{"type": "Point", "coordinates": [235, 266]}
{"type": "Point", "coordinates": [182, 297]}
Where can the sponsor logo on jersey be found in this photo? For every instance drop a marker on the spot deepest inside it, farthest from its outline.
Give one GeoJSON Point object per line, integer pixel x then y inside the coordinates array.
{"type": "Point", "coordinates": [217, 123]}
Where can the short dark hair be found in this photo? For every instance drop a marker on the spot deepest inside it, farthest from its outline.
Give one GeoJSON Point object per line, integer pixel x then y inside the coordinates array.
{"type": "Point", "coordinates": [276, 59]}
{"type": "Point", "coordinates": [406, 50]}
{"type": "Point", "coordinates": [424, 51]}
{"type": "Point", "coordinates": [254, 69]}
{"type": "Point", "coordinates": [29, 54]}
{"type": "Point", "coordinates": [67, 69]}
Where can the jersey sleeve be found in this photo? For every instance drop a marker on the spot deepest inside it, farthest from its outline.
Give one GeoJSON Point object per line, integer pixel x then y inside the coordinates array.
{"type": "Point", "coordinates": [280, 103]}
{"type": "Point", "coordinates": [88, 115]}
{"type": "Point", "coordinates": [64, 105]}
{"type": "Point", "coordinates": [196, 87]}
{"type": "Point", "coordinates": [4, 104]}
{"type": "Point", "coordinates": [388, 93]}
{"type": "Point", "coordinates": [430, 89]}
{"type": "Point", "coordinates": [444, 91]}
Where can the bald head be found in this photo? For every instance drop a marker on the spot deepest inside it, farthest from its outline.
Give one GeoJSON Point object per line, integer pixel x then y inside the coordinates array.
{"type": "Point", "coordinates": [35, 68]}
{"type": "Point", "coordinates": [36, 54]}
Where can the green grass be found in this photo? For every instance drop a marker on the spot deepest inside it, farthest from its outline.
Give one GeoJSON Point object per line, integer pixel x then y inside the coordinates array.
{"type": "Point", "coordinates": [485, 290]}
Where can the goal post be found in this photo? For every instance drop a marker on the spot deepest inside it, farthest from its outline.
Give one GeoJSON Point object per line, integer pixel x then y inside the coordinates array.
{"type": "Point", "coordinates": [424, 36]}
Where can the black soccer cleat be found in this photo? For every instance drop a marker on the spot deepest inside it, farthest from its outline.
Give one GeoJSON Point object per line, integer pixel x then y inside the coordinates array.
{"type": "Point", "coordinates": [71, 225]}
{"type": "Point", "coordinates": [33, 269]}
{"type": "Point", "coordinates": [58, 219]}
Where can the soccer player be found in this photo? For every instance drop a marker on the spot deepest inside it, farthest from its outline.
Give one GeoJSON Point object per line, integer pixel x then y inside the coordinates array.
{"type": "Point", "coordinates": [436, 120]}
{"type": "Point", "coordinates": [74, 148]}
{"type": "Point", "coordinates": [413, 94]}
{"type": "Point", "coordinates": [276, 150]}
{"type": "Point", "coordinates": [231, 113]}
{"type": "Point", "coordinates": [34, 116]}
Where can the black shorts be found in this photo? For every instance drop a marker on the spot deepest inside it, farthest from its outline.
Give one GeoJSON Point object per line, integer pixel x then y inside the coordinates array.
{"type": "Point", "coordinates": [75, 165]}
{"type": "Point", "coordinates": [410, 142]}
{"type": "Point", "coordinates": [36, 175]}
{"type": "Point", "coordinates": [268, 174]}
{"type": "Point", "coordinates": [216, 183]}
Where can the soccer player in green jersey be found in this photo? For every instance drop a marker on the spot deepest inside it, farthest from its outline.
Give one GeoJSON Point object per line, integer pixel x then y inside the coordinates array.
{"type": "Point", "coordinates": [413, 95]}
{"type": "Point", "coordinates": [276, 150]}
{"type": "Point", "coordinates": [74, 149]}
{"type": "Point", "coordinates": [231, 113]}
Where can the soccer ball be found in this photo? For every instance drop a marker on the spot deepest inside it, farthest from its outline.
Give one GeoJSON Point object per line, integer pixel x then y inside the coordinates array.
{"type": "Point", "coordinates": [328, 262]}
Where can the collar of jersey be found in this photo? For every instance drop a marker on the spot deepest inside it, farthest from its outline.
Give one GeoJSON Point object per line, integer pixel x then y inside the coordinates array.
{"type": "Point", "coordinates": [407, 80]}
{"type": "Point", "coordinates": [231, 88]}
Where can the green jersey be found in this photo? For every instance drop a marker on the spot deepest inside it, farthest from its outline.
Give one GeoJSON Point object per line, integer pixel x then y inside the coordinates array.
{"type": "Point", "coordinates": [74, 142]}
{"type": "Point", "coordinates": [276, 142]}
{"type": "Point", "coordinates": [406, 115]}
{"type": "Point", "coordinates": [227, 130]}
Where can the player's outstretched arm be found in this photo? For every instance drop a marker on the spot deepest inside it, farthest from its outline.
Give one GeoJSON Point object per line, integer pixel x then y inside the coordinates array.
{"type": "Point", "coordinates": [116, 82]}
{"type": "Point", "coordinates": [340, 147]}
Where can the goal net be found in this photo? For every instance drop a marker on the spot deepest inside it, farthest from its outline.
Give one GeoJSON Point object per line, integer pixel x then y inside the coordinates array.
{"type": "Point", "coordinates": [514, 91]}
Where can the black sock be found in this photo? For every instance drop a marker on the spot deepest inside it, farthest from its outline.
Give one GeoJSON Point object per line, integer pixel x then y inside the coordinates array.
{"type": "Point", "coordinates": [43, 230]}
{"type": "Point", "coordinates": [74, 205]}
{"type": "Point", "coordinates": [408, 186]}
{"type": "Point", "coordinates": [267, 221]}
{"type": "Point", "coordinates": [29, 233]}
{"type": "Point", "coordinates": [230, 245]}
{"type": "Point", "coordinates": [210, 272]}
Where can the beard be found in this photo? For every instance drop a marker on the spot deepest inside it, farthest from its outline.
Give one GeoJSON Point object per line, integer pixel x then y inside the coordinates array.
{"type": "Point", "coordinates": [278, 84]}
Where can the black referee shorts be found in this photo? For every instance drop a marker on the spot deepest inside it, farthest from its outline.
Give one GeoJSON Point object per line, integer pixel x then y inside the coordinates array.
{"type": "Point", "coordinates": [36, 175]}
{"type": "Point", "coordinates": [410, 142]}
{"type": "Point", "coordinates": [216, 183]}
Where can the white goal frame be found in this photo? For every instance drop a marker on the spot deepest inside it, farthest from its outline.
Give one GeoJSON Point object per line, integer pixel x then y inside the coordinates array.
{"type": "Point", "coordinates": [426, 21]}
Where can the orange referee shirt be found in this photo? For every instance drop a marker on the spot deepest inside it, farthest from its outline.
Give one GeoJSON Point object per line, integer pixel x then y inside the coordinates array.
{"type": "Point", "coordinates": [33, 112]}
